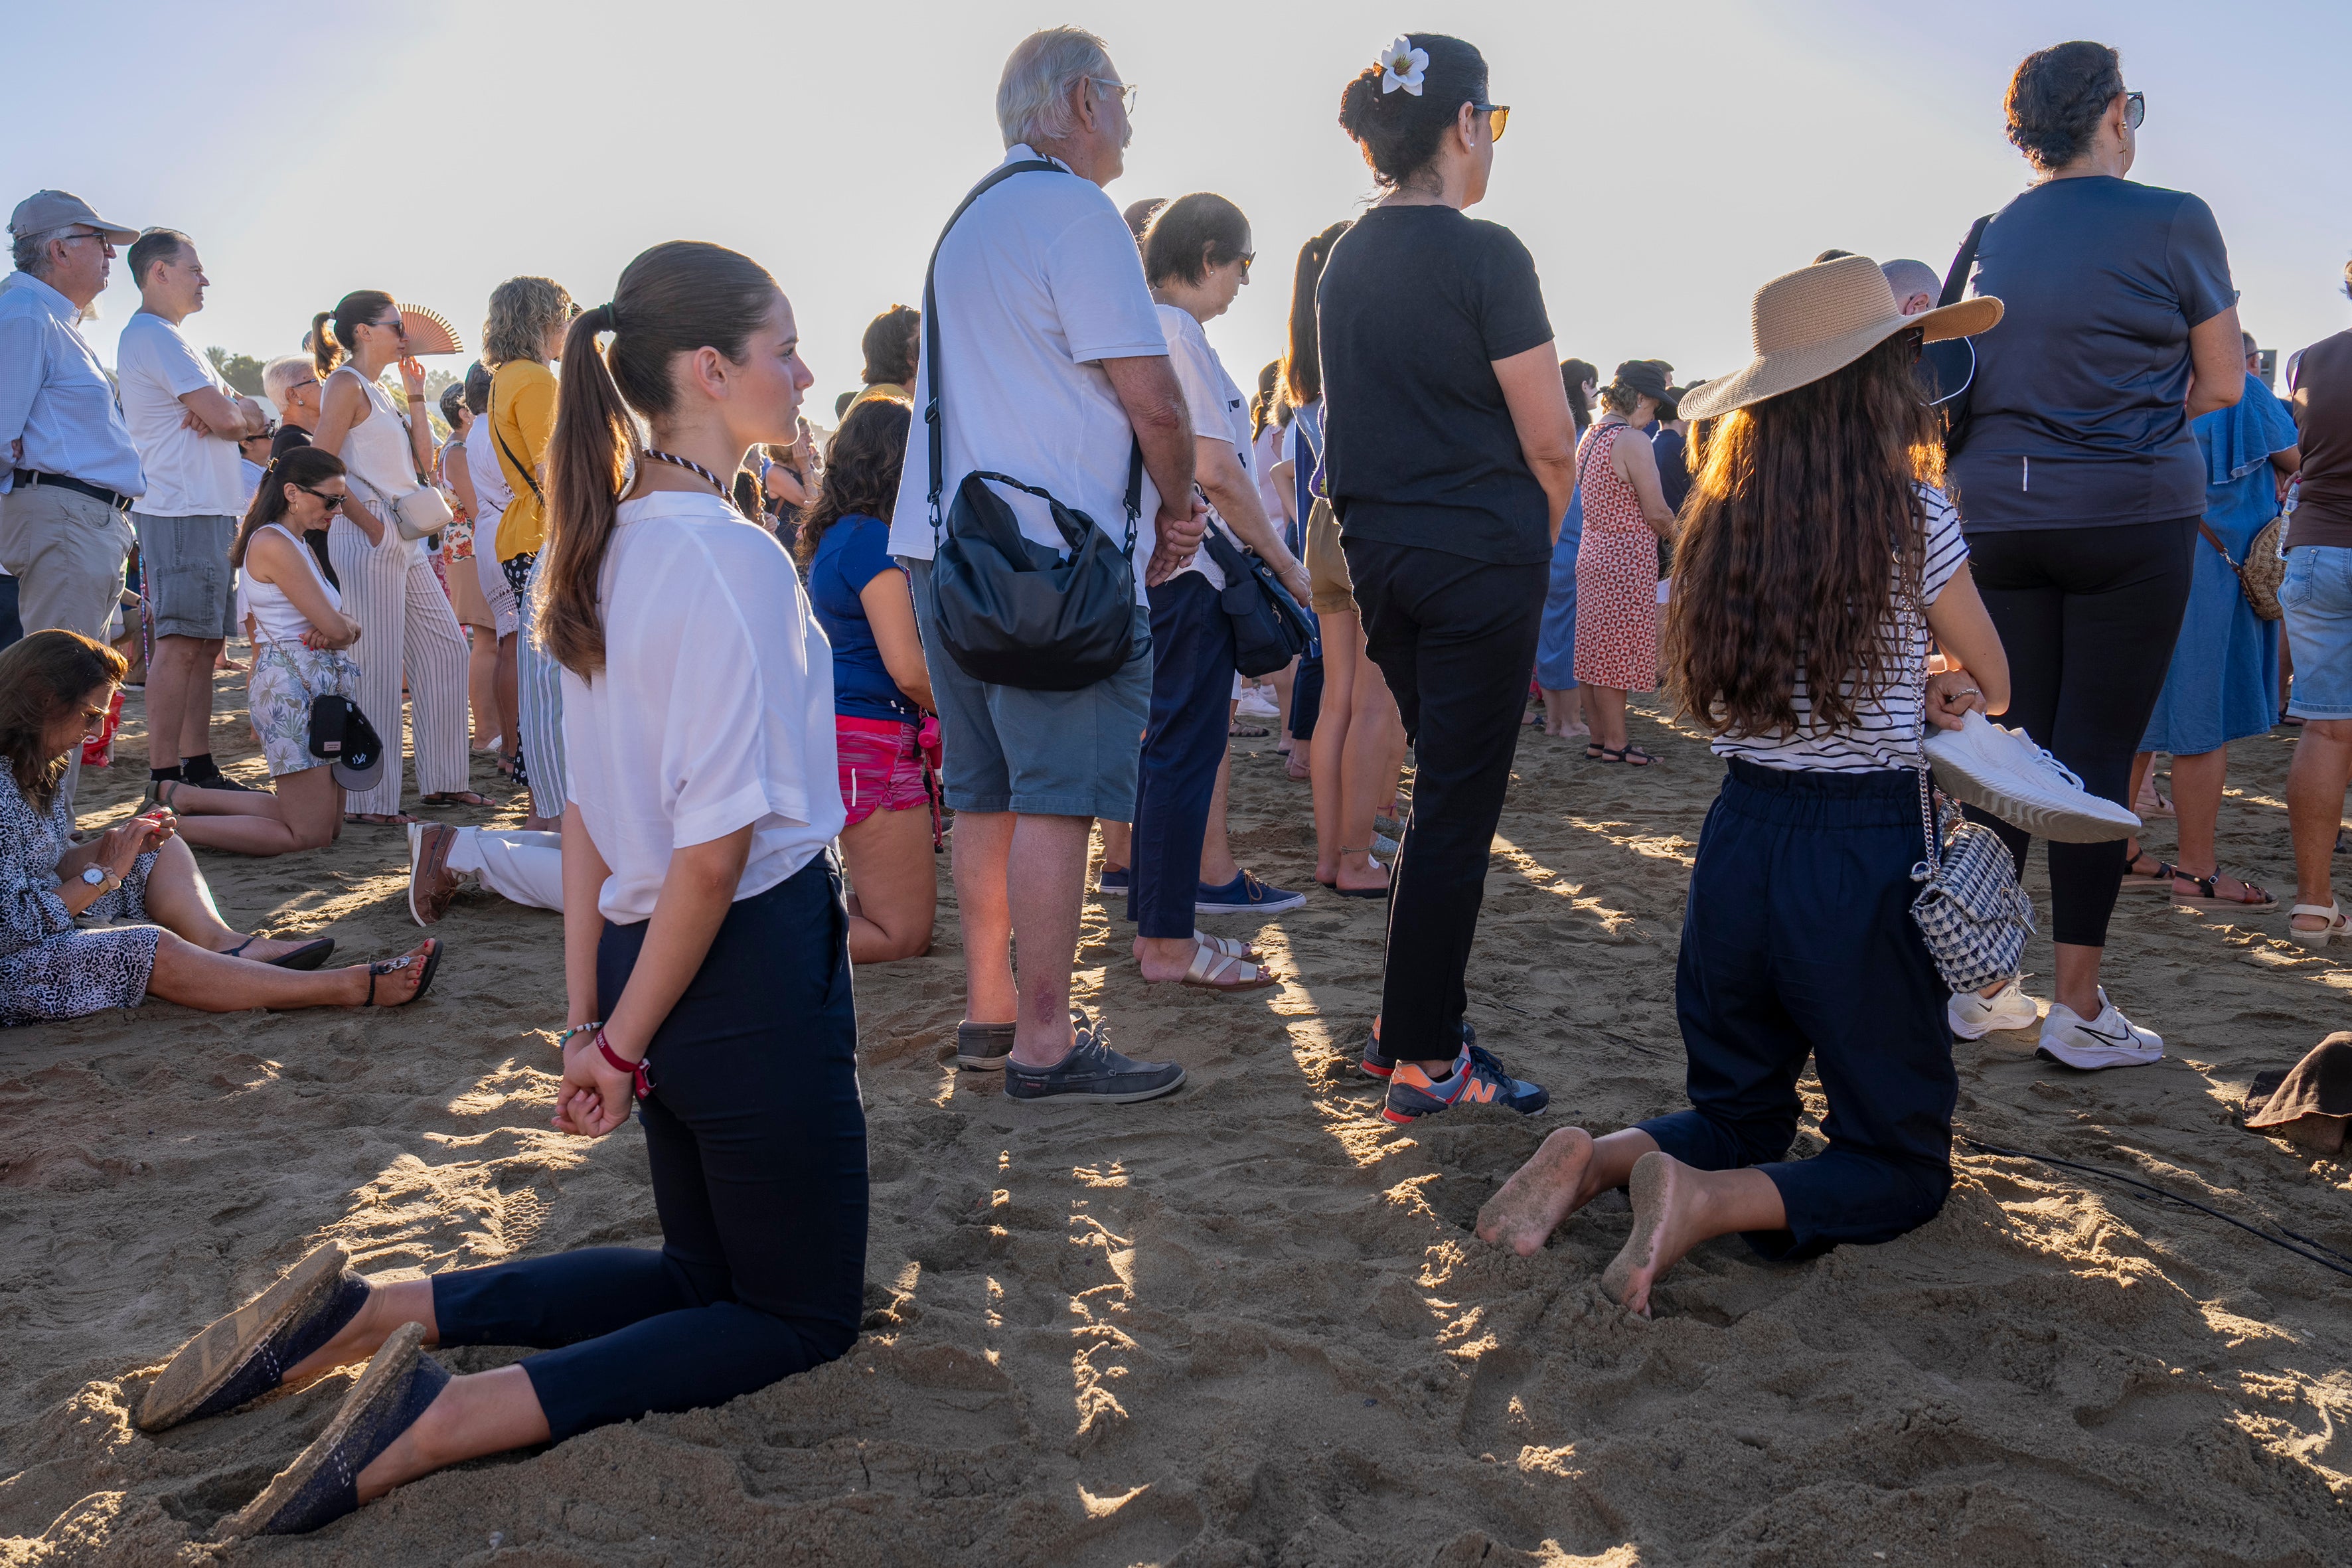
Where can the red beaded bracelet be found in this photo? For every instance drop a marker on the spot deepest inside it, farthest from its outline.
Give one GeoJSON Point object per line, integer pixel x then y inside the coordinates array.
{"type": "Point", "coordinates": [620, 1063]}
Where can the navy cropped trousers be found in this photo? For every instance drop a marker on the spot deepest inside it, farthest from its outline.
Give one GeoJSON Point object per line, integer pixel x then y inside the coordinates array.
{"type": "Point", "coordinates": [1798, 942]}
{"type": "Point", "coordinates": [756, 1135]}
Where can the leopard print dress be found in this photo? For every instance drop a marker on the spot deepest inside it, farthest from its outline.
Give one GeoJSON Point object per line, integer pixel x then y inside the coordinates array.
{"type": "Point", "coordinates": [50, 966]}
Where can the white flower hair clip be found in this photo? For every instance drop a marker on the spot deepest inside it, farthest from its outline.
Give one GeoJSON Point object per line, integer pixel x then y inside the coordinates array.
{"type": "Point", "coordinates": [1402, 66]}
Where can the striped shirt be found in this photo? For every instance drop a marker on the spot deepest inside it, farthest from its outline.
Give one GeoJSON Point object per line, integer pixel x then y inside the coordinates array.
{"type": "Point", "coordinates": [1885, 732]}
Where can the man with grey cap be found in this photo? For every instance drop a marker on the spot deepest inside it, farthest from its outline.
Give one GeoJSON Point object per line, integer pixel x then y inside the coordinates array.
{"type": "Point", "coordinates": [72, 471]}
{"type": "Point", "coordinates": [1946, 368]}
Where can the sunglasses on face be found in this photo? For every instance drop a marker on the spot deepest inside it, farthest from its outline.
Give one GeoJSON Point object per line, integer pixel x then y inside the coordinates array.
{"type": "Point", "coordinates": [1497, 116]}
{"type": "Point", "coordinates": [1245, 258]}
{"type": "Point", "coordinates": [332, 502]}
{"type": "Point", "coordinates": [395, 326]}
{"type": "Point", "coordinates": [2134, 109]}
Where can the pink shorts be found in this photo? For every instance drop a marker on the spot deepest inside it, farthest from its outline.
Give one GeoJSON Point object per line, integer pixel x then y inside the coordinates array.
{"type": "Point", "coordinates": [881, 766]}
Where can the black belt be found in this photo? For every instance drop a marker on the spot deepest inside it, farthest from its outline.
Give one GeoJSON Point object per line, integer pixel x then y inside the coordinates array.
{"type": "Point", "coordinates": [119, 502]}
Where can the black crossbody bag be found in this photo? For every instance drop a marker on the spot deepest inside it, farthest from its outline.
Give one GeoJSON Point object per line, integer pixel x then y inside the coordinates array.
{"type": "Point", "coordinates": [1955, 407]}
{"type": "Point", "coordinates": [1269, 629]}
{"type": "Point", "coordinates": [1012, 612]}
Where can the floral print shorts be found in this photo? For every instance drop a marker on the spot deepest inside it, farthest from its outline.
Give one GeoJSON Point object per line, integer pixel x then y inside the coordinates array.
{"type": "Point", "coordinates": [287, 678]}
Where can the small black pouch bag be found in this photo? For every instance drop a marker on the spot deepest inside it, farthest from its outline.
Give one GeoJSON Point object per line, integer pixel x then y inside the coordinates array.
{"type": "Point", "coordinates": [1269, 629]}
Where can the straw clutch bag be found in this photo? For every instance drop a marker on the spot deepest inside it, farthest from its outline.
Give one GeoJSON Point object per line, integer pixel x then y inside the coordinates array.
{"type": "Point", "coordinates": [429, 332]}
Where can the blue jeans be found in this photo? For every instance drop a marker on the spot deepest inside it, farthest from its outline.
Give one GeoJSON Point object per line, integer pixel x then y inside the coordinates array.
{"type": "Point", "coordinates": [1797, 940]}
{"type": "Point", "coordinates": [1191, 686]}
{"type": "Point", "coordinates": [2316, 595]}
{"type": "Point", "coordinates": [756, 1135]}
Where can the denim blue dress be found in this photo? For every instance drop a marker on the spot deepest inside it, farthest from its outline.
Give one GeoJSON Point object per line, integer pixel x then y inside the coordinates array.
{"type": "Point", "coordinates": [2223, 685]}
{"type": "Point", "coordinates": [1555, 642]}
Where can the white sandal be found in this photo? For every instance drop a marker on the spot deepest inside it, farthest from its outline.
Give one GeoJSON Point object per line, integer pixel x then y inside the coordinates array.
{"type": "Point", "coordinates": [2337, 929]}
{"type": "Point", "coordinates": [1215, 971]}
{"type": "Point", "coordinates": [1227, 946]}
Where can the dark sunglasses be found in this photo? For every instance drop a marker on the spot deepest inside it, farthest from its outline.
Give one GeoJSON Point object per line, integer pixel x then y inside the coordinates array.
{"type": "Point", "coordinates": [332, 502]}
{"type": "Point", "coordinates": [2134, 109]}
{"type": "Point", "coordinates": [1497, 116]}
{"type": "Point", "coordinates": [396, 325]}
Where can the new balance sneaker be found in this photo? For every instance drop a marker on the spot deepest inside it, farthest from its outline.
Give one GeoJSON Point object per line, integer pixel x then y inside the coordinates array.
{"type": "Point", "coordinates": [1244, 895]}
{"type": "Point", "coordinates": [1093, 1072]}
{"type": "Point", "coordinates": [1380, 1066]}
{"type": "Point", "coordinates": [2109, 1040]}
{"type": "Point", "coordinates": [1973, 1016]}
{"type": "Point", "coordinates": [1477, 1078]}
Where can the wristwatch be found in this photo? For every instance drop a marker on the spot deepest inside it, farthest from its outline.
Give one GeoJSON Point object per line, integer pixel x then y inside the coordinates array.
{"type": "Point", "coordinates": [97, 877]}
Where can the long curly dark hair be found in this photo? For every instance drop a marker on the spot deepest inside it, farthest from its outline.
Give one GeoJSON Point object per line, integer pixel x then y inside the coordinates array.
{"type": "Point", "coordinates": [1803, 510]}
{"type": "Point", "coordinates": [861, 471]}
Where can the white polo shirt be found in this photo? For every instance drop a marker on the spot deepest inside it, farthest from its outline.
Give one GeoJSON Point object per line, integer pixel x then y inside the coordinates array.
{"type": "Point", "coordinates": [1217, 407]}
{"type": "Point", "coordinates": [190, 473]}
{"type": "Point", "coordinates": [714, 708]}
{"type": "Point", "coordinates": [1036, 284]}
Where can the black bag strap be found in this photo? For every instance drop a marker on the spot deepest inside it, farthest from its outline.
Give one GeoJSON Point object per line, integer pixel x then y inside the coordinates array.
{"type": "Point", "coordinates": [490, 412]}
{"type": "Point", "coordinates": [1955, 281]}
{"type": "Point", "coordinates": [934, 420]}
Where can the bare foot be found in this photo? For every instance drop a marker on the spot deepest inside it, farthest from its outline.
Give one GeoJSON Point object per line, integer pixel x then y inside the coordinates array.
{"type": "Point", "coordinates": [1665, 1202]}
{"type": "Point", "coordinates": [1539, 1194]}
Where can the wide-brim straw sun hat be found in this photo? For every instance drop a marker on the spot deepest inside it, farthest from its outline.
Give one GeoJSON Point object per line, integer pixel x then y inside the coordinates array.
{"type": "Point", "coordinates": [1818, 320]}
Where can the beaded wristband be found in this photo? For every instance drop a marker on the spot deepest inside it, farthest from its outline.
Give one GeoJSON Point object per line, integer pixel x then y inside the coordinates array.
{"type": "Point", "coordinates": [565, 1038]}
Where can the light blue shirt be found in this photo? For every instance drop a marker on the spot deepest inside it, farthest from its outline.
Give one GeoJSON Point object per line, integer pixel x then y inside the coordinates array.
{"type": "Point", "coordinates": [54, 397]}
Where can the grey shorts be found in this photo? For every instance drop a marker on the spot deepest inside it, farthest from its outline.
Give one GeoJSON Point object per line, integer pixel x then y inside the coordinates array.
{"type": "Point", "coordinates": [185, 573]}
{"type": "Point", "coordinates": [1043, 753]}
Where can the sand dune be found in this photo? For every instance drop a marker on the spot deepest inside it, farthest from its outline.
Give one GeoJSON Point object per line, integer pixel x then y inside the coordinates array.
{"type": "Point", "coordinates": [1247, 1325]}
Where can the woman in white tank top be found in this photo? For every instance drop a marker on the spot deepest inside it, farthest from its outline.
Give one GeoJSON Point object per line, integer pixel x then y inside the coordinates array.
{"type": "Point", "coordinates": [294, 617]}
{"type": "Point", "coordinates": [388, 586]}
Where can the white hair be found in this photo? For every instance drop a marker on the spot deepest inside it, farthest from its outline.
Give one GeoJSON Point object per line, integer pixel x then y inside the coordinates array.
{"type": "Point", "coordinates": [1033, 99]}
{"type": "Point", "coordinates": [30, 252]}
{"type": "Point", "coordinates": [1908, 278]}
{"type": "Point", "coordinates": [281, 375]}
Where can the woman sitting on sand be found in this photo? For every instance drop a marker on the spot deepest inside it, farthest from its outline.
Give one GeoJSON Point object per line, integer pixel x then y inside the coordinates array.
{"type": "Point", "coordinates": [54, 688]}
{"type": "Point", "coordinates": [703, 924]}
{"type": "Point", "coordinates": [300, 638]}
{"type": "Point", "coordinates": [1812, 531]}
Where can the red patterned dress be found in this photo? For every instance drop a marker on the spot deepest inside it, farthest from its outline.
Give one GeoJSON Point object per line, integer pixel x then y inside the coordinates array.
{"type": "Point", "coordinates": [1616, 575]}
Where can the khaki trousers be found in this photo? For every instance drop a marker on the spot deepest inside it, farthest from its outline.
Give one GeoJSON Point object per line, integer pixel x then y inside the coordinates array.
{"type": "Point", "coordinates": [67, 551]}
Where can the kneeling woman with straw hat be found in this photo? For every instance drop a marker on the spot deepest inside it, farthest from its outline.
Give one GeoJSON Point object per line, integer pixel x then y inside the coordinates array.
{"type": "Point", "coordinates": [1814, 533]}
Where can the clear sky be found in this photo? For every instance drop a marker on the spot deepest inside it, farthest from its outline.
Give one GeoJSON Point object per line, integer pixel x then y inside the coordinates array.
{"type": "Point", "coordinates": [1661, 160]}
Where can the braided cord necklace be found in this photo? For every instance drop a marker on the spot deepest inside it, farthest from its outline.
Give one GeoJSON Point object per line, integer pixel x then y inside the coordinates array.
{"type": "Point", "coordinates": [676, 461]}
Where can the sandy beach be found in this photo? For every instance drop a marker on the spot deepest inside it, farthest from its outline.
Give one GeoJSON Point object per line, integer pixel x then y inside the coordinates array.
{"type": "Point", "coordinates": [1248, 1325]}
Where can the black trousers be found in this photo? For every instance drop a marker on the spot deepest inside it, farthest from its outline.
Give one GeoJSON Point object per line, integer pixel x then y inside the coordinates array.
{"type": "Point", "coordinates": [1456, 638]}
{"type": "Point", "coordinates": [1798, 942]}
{"type": "Point", "coordinates": [2088, 617]}
{"type": "Point", "coordinates": [756, 1134]}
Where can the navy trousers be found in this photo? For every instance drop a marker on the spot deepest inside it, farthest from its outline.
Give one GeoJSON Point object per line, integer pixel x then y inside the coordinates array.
{"type": "Point", "coordinates": [1191, 698]}
{"type": "Point", "coordinates": [1798, 942]}
{"type": "Point", "coordinates": [756, 1134]}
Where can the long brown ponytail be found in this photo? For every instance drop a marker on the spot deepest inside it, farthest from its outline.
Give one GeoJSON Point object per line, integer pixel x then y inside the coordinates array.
{"type": "Point", "coordinates": [1302, 365]}
{"type": "Point", "coordinates": [307, 465]}
{"type": "Point", "coordinates": [332, 333]}
{"type": "Point", "coordinates": [678, 297]}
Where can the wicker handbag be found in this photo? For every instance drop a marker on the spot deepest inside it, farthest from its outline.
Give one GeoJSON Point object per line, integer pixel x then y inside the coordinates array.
{"type": "Point", "coordinates": [1970, 911]}
{"type": "Point", "coordinates": [2262, 570]}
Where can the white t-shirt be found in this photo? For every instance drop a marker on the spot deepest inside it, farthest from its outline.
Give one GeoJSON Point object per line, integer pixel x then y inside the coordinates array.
{"type": "Point", "coordinates": [190, 473]}
{"type": "Point", "coordinates": [714, 708]}
{"type": "Point", "coordinates": [1216, 404]}
{"type": "Point", "coordinates": [1886, 731]}
{"type": "Point", "coordinates": [1038, 282]}
{"type": "Point", "coordinates": [490, 486]}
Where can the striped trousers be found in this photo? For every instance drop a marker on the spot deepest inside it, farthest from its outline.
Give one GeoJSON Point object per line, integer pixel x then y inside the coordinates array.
{"type": "Point", "coordinates": [540, 681]}
{"type": "Point", "coordinates": [406, 629]}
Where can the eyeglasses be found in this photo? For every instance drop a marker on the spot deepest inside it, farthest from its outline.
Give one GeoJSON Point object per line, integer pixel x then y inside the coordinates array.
{"type": "Point", "coordinates": [1497, 116]}
{"type": "Point", "coordinates": [332, 502]}
{"type": "Point", "coordinates": [2134, 109]}
{"type": "Point", "coordinates": [94, 719]}
{"type": "Point", "coordinates": [1124, 91]}
{"type": "Point", "coordinates": [90, 234]}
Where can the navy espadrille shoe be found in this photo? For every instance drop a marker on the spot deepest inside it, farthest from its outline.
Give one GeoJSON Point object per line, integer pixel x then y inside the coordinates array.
{"type": "Point", "coordinates": [323, 1484]}
{"type": "Point", "coordinates": [245, 1355]}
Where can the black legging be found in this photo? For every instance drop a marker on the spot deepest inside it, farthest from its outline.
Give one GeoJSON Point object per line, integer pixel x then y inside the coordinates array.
{"type": "Point", "coordinates": [2088, 617]}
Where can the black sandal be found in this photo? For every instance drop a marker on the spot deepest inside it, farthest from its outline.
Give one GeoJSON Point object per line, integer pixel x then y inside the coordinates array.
{"type": "Point", "coordinates": [2161, 883]}
{"type": "Point", "coordinates": [394, 965]}
{"type": "Point", "coordinates": [1628, 755]}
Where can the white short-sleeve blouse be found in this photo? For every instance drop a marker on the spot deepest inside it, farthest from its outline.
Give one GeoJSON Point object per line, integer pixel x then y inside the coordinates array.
{"type": "Point", "coordinates": [714, 708]}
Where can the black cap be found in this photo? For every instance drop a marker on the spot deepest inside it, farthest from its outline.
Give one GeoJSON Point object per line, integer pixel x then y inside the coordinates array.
{"type": "Point", "coordinates": [1644, 377]}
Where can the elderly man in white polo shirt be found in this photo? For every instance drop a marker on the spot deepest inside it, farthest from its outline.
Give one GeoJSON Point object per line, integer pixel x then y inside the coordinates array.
{"type": "Point", "coordinates": [72, 471]}
{"type": "Point", "coordinates": [186, 422]}
{"type": "Point", "coordinates": [1052, 367]}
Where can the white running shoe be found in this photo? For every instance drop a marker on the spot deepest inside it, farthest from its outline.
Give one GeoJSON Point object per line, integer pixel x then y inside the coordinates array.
{"type": "Point", "coordinates": [1255, 705]}
{"type": "Point", "coordinates": [1973, 1016]}
{"type": "Point", "coordinates": [2109, 1040]}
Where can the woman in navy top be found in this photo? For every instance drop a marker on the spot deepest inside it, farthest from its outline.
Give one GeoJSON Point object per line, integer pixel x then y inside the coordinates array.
{"type": "Point", "coordinates": [881, 693]}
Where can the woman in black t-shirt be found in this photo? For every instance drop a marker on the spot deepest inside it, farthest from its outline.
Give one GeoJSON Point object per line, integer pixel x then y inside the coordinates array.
{"type": "Point", "coordinates": [1449, 456]}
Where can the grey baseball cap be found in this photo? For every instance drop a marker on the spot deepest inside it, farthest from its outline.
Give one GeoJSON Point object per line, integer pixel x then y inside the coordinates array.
{"type": "Point", "coordinates": [45, 210]}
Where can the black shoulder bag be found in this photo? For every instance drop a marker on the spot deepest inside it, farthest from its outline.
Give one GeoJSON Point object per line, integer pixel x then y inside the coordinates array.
{"type": "Point", "coordinates": [1012, 612]}
{"type": "Point", "coordinates": [1269, 629]}
{"type": "Point", "coordinates": [1957, 359]}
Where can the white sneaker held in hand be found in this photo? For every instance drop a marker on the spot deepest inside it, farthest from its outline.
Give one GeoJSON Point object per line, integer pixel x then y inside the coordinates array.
{"type": "Point", "coordinates": [1973, 1016]}
{"type": "Point", "coordinates": [2109, 1040]}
